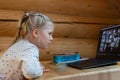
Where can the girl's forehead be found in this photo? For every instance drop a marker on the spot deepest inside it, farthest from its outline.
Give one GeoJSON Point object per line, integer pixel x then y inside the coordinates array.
{"type": "Point", "coordinates": [48, 25]}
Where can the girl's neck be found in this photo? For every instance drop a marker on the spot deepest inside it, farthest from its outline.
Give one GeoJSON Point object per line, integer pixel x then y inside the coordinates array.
{"type": "Point", "coordinates": [31, 40]}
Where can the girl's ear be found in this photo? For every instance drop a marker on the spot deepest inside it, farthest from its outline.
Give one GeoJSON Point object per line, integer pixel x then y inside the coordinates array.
{"type": "Point", "coordinates": [35, 33]}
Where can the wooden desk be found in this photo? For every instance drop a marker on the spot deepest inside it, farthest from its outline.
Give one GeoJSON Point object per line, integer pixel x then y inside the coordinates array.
{"type": "Point", "coordinates": [67, 73]}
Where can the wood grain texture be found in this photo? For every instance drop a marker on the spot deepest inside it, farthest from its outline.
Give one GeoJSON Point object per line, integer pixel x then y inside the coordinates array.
{"type": "Point", "coordinates": [61, 30]}
{"type": "Point", "coordinates": [89, 8]}
{"type": "Point", "coordinates": [71, 26]}
{"type": "Point", "coordinates": [8, 28]}
{"type": "Point", "coordinates": [68, 73]}
{"type": "Point", "coordinates": [78, 30]}
{"type": "Point", "coordinates": [10, 14]}
{"type": "Point", "coordinates": [82, 19]}
{"type": "Point", "coordinates": [16, 15]}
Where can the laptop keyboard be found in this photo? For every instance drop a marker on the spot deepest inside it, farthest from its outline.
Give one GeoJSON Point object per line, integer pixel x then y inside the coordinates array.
{"type": "Point", "coordinates": [90, 63]}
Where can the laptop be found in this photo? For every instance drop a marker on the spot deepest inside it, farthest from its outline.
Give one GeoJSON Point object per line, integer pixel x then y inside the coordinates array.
{"type": "Point", "coordinates": [108, 52]}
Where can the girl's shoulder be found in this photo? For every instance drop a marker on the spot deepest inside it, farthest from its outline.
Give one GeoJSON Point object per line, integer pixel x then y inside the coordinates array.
{"type": "Point", "coordinates": [22, 45]}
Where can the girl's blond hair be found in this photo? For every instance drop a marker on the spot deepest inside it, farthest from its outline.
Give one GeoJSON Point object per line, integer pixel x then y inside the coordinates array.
{"type": "Point", "coordinates": [29, 21]}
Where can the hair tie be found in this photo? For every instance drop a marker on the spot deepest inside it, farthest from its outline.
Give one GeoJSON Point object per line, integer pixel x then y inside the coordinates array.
{"type": "Point", "coordinates": [27, 14]}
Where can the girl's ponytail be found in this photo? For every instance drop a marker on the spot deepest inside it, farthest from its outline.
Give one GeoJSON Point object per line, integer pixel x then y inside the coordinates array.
{"type": "Point", "coordinates": [19, 34]}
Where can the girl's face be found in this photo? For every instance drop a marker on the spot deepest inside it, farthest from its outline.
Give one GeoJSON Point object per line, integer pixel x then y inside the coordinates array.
{"type": "Point", "coordinates": [45, 35]}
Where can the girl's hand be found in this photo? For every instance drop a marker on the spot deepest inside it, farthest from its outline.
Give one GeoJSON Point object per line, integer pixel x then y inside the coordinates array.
{"type": "Point", "coordinates": [46, 70]}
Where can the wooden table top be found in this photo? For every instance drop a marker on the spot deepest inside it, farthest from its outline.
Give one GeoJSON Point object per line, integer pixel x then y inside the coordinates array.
{"type": "Point", "coordinates": [63, 72]}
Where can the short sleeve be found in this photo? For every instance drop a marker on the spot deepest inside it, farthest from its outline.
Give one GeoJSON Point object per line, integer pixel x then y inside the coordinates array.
{"type": "Point", "coordinates": [31, 66]}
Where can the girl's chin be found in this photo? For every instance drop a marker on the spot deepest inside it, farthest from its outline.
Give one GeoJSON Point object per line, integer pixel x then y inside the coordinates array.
{"type": "Point", "coordinates": [44, 47]}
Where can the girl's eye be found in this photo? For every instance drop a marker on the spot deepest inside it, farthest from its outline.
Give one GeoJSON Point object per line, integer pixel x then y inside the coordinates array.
{"type": "Point", "coordinates": [50, 33]}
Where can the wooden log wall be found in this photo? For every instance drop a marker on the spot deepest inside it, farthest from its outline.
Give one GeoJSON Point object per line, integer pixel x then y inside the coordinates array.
{"type": "Point", "coordinates": [72, 33]}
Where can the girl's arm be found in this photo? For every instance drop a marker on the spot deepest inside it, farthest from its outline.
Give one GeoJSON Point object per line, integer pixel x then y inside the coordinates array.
{"type": "Point", "coordinates": [31, 67]}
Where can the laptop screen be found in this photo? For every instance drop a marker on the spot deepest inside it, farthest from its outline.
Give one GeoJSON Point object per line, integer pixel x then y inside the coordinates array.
{"type": "Point", "coordinates": [109, 43]}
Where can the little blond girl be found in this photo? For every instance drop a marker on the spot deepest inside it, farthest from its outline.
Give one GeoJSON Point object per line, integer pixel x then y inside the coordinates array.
{"type": "Point", "coordinates": [21, 60]}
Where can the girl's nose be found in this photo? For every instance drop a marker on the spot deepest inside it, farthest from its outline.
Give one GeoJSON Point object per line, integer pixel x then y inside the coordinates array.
{"type": "Point", "coordinates": [51, 38]}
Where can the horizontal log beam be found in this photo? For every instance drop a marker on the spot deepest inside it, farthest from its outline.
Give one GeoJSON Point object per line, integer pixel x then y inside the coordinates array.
{"type": "Point", "coordinates": [10, 15]}
{"type": "Point", "coordinates": [15, 15]}
{"type": "Point", "coordinates": [78, 30]}
{"type": "Point", "coordinates": [61, 30]}
{"type": "Point", "coordinates": [57, 18]}
{"type": "Point", "coordinates": [8, 28]}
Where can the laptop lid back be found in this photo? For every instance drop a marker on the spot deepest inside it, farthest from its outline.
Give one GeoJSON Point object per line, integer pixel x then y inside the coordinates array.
{"type": "Point", "coordinates": [109, 43]}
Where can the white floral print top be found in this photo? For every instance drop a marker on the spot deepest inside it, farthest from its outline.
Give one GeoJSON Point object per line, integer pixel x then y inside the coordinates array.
{"type": "Point", "coordinates": [21, 61]}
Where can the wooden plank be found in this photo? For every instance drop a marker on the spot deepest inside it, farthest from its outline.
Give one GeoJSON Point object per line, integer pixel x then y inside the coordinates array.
{"type": "Point", "coordinates": [10, 14]}
{"type": "Point", "coordinates": [15, 15]}
{"type": "Point", "coordinates": [8, 28]}
{"type": "Point", "coordinates": [86, 47]}
{"type": "Point", "coordinates": [5, 42]}
{"type": "Point", "coordinates": [78, 30]}
{"type": "Point", "coordinates": [89, 8]}
{"type": "Point", "coordinates": [61, 30]}
{"type": "Point", "coordinates": [115, 4]}
{"type": "Point", "coordinates": [82, 19]}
